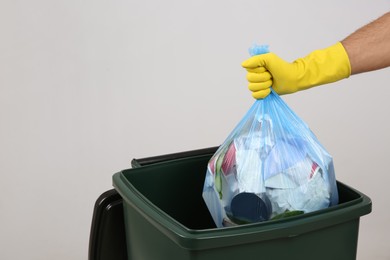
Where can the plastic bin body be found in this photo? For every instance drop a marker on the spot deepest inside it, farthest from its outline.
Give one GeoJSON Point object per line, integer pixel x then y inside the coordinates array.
{"type": "Point", "coordinates": [166, 218]}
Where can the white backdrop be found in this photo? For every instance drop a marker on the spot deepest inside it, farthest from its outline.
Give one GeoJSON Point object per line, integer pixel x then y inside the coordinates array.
{"type": "Point", "coordinates": [88, 85]}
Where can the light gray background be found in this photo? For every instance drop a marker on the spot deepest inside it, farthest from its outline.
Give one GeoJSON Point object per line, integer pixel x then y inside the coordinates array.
{"type": "Point", "coordinates": [88, 85]}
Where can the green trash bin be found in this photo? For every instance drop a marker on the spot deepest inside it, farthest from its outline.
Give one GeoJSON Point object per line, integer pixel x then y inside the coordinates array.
{"type": "Point", "coordinates": [166, 219]}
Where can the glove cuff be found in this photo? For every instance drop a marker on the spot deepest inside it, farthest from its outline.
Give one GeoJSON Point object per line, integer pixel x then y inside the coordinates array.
{"type": "Point", "coordinates": [341, 61]}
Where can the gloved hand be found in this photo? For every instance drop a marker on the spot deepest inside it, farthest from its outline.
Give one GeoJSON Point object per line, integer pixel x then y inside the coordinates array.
{"type": "Point", "coordinates": [319, 67]}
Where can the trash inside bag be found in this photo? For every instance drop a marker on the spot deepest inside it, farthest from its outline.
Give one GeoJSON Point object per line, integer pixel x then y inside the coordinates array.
{"type": "Point", "coordinates": [270, 167]}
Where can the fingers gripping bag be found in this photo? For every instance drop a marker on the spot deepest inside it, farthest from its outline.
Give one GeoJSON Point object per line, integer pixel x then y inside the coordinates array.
{"type": "Point", "coordinates": [271, 166]}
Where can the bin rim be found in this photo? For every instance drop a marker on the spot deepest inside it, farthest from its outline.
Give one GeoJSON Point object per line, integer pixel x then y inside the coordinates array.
{"type": "Point", "coordinates": [199, 239]}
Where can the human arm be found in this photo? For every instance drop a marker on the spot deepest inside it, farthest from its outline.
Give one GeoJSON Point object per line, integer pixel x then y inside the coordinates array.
{"type": "Point", "coordinates": [369, 47]}
{"type": "Point", "coordinates": [366, 49]}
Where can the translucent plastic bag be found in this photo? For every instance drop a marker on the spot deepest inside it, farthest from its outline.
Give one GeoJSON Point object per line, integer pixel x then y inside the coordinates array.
{"type": "Point", "coordinates": [271, 166]}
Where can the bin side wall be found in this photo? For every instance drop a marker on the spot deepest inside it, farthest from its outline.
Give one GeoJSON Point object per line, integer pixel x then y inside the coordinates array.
{"type": "Point", "coordinates": [146, 242]}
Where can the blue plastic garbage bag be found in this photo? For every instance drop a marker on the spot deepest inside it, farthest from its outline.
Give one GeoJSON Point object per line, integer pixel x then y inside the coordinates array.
{"type": "Point", "coordinates": [269, 167]}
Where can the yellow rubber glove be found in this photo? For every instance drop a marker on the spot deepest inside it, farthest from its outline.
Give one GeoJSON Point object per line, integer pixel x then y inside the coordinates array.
{"type": "Point", "coordinates": [319, 67]}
